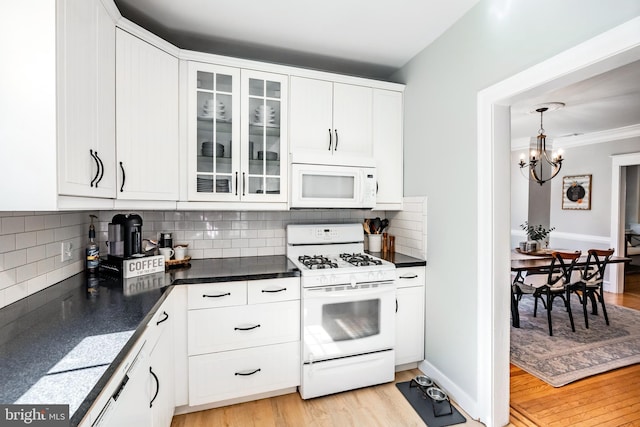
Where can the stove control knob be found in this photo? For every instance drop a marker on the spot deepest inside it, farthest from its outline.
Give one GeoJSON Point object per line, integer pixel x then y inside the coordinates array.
{"type": "Point", "coordinates": [324, 280]}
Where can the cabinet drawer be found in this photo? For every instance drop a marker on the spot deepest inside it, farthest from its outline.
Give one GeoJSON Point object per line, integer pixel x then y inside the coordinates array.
{"type": "Point", "coordinates": [209, 295]}
{"type": "Point", "coordinates": [231, 374]}
{"type": "Point", "coordinates": [231, 328]}
{"type": "Point", "coordinates": [409, 276]}
{"type": "Point", "coordinates": [273, 290]}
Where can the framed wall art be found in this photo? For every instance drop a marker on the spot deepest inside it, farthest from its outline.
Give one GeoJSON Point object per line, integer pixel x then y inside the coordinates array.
{"type": "Point", "coordinates": [576, 192]}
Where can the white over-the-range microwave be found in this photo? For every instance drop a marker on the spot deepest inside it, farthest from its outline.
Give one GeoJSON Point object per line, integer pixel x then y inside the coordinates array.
{"type": "Point", "coordinates": [332, 186]}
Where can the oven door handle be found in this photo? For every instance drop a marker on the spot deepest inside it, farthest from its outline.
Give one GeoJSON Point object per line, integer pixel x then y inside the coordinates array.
{"type": "Point", "coordinates": [350, 292]}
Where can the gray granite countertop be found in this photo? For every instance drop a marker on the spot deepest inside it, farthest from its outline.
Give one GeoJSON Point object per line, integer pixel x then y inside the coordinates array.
{"type": "Point", "coordinates": [49, 340]}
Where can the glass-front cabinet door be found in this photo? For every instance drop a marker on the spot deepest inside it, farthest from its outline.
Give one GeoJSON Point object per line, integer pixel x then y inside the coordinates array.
{"type": "Point", "coordinates": [214, 131]}
{"type": "Point", "coordinates": [264, 136]}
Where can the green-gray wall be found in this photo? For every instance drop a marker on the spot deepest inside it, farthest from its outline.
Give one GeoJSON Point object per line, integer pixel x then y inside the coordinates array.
{"type": "Point", "coordinates": [494, 40]}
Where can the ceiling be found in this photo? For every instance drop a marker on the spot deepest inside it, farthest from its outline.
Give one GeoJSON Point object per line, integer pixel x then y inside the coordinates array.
{"type": "Point", "coordinates": [607, 101]}
{"type": "Point", "coordinates": [371, 38]}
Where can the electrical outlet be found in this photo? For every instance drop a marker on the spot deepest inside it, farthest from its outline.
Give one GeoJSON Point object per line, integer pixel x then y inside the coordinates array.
{"type": "Point", "coordinates": [65, 251]}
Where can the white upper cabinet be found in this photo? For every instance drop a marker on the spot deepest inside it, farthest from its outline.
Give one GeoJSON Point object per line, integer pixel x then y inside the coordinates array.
{"type": "Point", "coordinates": [264, 137]}
{"type": "Point", "coordinates": [330, 122]}
{"type": "Point", "coordinates": [237, 134]}
{"type": "Point", "coordinates": [213, 114]}
{"type": "Point", "coordinates": [147, 137]}
{"type": "Point", "coordinates": [387, 148]}
{"type": "Point", "coordinates": [86, 99]}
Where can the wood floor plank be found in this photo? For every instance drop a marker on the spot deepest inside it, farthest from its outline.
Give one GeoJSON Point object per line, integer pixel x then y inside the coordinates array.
{"type": "Point", "coordinates": [608, 399]}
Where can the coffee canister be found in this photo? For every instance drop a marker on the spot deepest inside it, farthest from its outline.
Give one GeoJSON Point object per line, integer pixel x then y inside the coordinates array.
{"type": "Point", "coordinates": [166, 241]}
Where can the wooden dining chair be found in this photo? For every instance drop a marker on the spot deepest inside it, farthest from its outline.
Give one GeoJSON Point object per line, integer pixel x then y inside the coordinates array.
{"type": "Point", "coordinates": [590, 282]}
{"type": "Point", "coordinates": [549, 284]}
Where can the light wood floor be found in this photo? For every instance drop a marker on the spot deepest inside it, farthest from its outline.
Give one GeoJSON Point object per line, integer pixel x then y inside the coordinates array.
{"type": "Point", "coordinates": [382, 406]}
{"type": "Point", "coordinates": [608, 399]}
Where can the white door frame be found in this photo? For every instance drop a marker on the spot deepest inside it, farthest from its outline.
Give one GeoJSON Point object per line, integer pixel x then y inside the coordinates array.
{"type": "Point", "coordinates": [609, 50]}
{"type": "Point", "coordinates": [616, 272]}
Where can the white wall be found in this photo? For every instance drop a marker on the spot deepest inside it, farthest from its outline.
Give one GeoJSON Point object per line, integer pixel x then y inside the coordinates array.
{"type": "Point", "coordinates": [493, 41]}
{"type": "Point", "coordinates": [577, 229]}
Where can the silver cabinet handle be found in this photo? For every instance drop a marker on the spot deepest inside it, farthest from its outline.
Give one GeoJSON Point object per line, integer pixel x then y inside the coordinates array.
{"type": "Point", "coordinates": [330, 139]}
{"type": "Point", "coordinates": [335, 147]}
{"type": "Point", "coordinates": [408, 277]}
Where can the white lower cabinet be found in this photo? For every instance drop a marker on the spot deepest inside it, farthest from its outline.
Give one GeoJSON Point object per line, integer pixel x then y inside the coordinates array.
{"type": "Point", "coordinates": [244, 349]}
{"type": "Point", "coordinates": [410, 302]}
{"type": "Point", "coordinates": [231, 374]}
{"type": "Point", "coordinates": [142, 391]}
{"type": "Point", "coordinates": [231, 328]}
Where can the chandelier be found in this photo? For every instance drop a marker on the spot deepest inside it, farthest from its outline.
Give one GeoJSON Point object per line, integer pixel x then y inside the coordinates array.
{"type": "Point", "coordinates": [539, 158]}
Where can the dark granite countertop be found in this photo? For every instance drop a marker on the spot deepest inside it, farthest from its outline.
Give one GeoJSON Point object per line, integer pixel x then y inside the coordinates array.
{"type": "Point", "coordinates": [400, 260]}
{"type": "Point", "coordinates": [49, 341]}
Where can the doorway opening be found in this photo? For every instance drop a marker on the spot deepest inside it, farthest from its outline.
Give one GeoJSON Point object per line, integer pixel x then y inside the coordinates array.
{"type": "Point", "coordinates": [607, 51]}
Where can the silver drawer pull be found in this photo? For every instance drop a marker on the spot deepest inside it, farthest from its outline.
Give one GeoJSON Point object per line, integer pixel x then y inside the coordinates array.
{"type": "Point", "coordinates": [247, 328]}
{"type": "Point", "coordinates": [244, 374]}
{"type": "Point", "coordinates": [273, 291]}
{"type": "Point", "coordinates": [408, 277]}
{"type": "Point", "coordinates": [216, 296]}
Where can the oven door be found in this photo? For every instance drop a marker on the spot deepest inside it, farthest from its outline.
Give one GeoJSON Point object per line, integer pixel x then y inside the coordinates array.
{"type": "Point", "coordinates": [345, 320]}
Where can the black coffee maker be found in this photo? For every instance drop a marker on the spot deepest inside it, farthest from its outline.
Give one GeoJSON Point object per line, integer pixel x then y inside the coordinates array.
{"type": "Point", "coordinates": [131, 226]}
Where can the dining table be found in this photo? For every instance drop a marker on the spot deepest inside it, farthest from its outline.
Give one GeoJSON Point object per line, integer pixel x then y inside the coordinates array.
{"type": "Point", "coordinates": [522, 262]}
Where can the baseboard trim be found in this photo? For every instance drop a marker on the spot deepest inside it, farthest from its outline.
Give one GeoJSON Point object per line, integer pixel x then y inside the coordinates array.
{"type": "Point", "coordinates": [468, 404]}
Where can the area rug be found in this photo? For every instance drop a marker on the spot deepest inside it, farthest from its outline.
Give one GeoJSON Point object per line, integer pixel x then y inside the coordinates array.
{"type": "Point", "coordinates": [569, 356]}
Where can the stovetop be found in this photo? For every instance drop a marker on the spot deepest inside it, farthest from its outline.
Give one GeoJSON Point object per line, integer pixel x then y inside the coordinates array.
{"type": "Point", "coordinates": [328, 254]}
{"type": "Point", "coordinates": [343, 260]}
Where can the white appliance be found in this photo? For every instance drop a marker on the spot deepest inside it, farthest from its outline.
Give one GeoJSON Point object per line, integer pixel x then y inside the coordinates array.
{"type": "Point", "coordinates": [329, 186]}
{"type": "Point", "coordinates": [348, 309]}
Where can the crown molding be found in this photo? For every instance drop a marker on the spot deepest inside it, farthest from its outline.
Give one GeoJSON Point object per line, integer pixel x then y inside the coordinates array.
{"type": "Point", "coordinates": [586, 139]}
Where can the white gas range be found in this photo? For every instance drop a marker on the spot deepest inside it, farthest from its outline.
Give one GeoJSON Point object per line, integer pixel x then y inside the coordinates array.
{"type": "Point", "coordinates": [348, 309]}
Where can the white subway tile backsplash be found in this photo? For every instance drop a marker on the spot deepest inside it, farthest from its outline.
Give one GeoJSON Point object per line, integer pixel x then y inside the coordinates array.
{"type": "Point", "coordinates": [230, 253]}
{"type": "Point", "coordinates": [33, 223]}
{"type": "Point", "coordinates": [26, 272]}
{"type": "Point", "coordinates": [25, 240]}
{"type": "Point", "coordinates": [7, 278]}
{"type": "Point", "coordinates": [30, 250]}
{"type": "Point", "coordinates": [36, 254]}
{"type": "Point", "coordinates": [7, 243]}
{"type": "Point", "coordinates": [16, 292]}
{"type": "Point", "coordinates": [36, 284]}
{"type": "Point", "coordinates": [11, 225]}
{"type": "Point", "coordinates": [45, 236]}
{"type": "Point", "coordinates": [30, 242]}
{"type": "Point", "coordinates": [14, 259]}
{"type": "Point", "coordinates": [46, 265]}
{"type": "Point", "coordinates": [222, 244]}
{"type": "Point", "coordinates": [202, 244]}
{"type": "Point", "coordinates": [210, 253]}
{"type": "Point", "coordinates": [239, 243]}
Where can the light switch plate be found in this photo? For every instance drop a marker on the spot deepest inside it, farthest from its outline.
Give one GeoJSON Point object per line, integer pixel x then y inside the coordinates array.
{"type": "Point", "coordinates": [65, 251]}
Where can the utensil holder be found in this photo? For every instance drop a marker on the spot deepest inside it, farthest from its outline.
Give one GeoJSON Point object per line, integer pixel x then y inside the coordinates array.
{"type": "Point", "coordinates": [375, 242]}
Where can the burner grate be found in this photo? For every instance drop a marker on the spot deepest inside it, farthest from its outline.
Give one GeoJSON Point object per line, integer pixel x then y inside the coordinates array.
{"type": "Point", "coordinates": [316, 262]}
{"type": "Point", "coordinates": [360, 260]}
